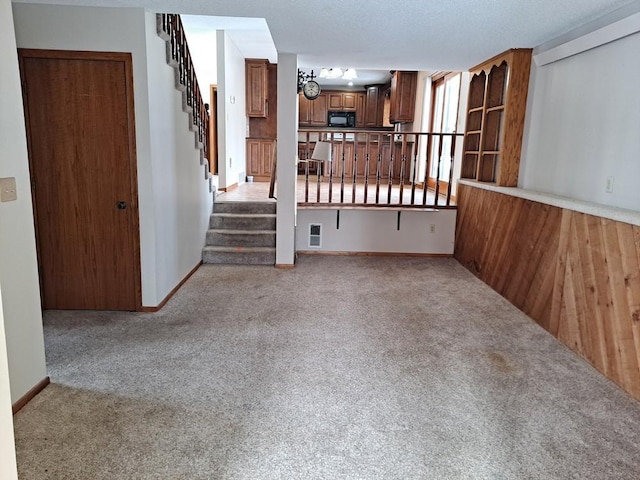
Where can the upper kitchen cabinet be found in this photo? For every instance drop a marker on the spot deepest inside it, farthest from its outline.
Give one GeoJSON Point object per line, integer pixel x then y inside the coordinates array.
{"type": "Point", "coordinates": [361, 109]}
{"type": "Point", "coordinates": [403, 97]}
{"type": "Point", "coordinates": [257, 85]}
{"type": "Point", "coordinates": [312, 113]}
{"type": "Point", "coordinates": [495, 118]}
{"type": "Point", "coordinates": [374, 108]}
{"type": "Point", "coordinates": [343, 101]}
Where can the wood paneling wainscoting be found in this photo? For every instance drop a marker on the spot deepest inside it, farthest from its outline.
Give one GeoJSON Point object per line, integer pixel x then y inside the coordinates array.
{"type": "Point", "coordinates": [577, 275]}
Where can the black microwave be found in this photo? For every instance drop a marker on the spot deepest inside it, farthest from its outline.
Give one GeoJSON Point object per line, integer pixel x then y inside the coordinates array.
{"type": "Point", "coordinates": [342, 119]}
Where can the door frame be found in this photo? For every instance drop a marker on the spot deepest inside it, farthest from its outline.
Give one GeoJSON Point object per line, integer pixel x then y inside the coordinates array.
{"type": "Point", "coordinates": [132, 160]}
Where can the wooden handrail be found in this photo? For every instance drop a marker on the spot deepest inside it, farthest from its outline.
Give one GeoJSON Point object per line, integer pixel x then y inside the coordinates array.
{"type": "Point", "coordinates": [170, 27]}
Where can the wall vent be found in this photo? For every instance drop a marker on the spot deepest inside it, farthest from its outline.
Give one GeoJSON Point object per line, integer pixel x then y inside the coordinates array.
{"type": "Point", "coordinates": [315, 235]}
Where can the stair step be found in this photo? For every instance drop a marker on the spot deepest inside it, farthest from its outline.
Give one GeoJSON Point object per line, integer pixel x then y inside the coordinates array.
{"type": "Point", "coordinates": [242, 221]}
{"type": "Point", "coordinates": [244, 207]}
{"type": "Point", "coordinates": [245, 238]}
{"type": "Point", "coordinates": [239, 255]}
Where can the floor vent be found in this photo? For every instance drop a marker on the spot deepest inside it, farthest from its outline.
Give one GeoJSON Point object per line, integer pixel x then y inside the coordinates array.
{"type": "Point", "coordinates": [315, 235]}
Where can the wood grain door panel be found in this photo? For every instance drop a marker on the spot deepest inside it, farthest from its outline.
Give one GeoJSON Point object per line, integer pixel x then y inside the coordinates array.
{"type": "Point", "coordinates": [79, 113]}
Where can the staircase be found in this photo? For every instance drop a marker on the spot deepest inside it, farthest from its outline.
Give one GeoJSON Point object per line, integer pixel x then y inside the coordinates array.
{"type": "Point", "coordinates": [241, 233]}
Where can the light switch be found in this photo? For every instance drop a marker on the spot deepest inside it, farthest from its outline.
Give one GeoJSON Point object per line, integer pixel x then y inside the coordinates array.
{"type": "Point", "coordinates": [8, 192]}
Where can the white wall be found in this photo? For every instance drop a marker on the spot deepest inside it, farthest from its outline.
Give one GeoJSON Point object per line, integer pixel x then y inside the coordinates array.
{"type": "Point", "coordinates": [287, 130]}
{"type": "Point", "coordinates": [167, 242]}
{"type": "Point", "coordinates": [203, 49]}
{"type": "Point", "coordinates": [18, 274]}
{"type": "Point", "coordinates": [181, 198]}
{"type": "Point", "coordinates": [232, 120]}
{"type": "Point", "coordinates": [376, 231]}
{"type": "Point", "coordinates": [583, 126]}
{"type": "Point", "coordinates": [18, 263]}
{"type": "Point", "coordinates": [8, 468]}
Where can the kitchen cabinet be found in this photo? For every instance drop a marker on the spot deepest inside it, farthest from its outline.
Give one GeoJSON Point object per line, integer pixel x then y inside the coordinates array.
{"type": "Point", "coordinates": [262, 125]}
{"type": "Point", "coordinates": [361, 109]}
{"type": "Point", "coordinates": [373, 112]}
{"type": "Point", "coordinates": [355, 156]}
{"type": "Point", "coordinates": [403, 97]}
{"type": "Point", "coordinates": [312, 113]}
{"type": "Point", "coordinates": [342, 101]}
{"type": "Point", "coordinates": [342, 161]}
{"type": "Point", "coordinates": [495, 118]}
{"type": "Point", "coordinates": [376, 97]}
{"type": "Point", "coordinates": [260, 154]}
{"type": "Point", "coordinates": [256, 77]}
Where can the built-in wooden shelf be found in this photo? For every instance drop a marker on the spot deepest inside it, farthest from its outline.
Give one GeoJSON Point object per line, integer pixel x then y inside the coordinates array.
{"type": "Point", "coordinates": [495, 118]}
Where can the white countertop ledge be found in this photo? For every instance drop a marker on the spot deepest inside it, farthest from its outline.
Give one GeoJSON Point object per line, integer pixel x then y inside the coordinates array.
{"type": "Point", "coordinates": [590, 208]}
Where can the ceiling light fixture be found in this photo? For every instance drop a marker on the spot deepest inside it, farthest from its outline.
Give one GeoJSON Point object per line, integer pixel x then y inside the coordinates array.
{"type": "Point", "coordinates": [350, 74]}
{"type": "Point", "coordinates": [333, 73]}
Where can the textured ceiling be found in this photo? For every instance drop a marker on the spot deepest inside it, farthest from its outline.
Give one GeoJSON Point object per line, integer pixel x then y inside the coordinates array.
{"type": "Point", "coordinates": [398, 34]}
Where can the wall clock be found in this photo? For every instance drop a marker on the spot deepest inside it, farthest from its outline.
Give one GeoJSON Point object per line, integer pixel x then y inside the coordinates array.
{"type": "Point", "coordinates": [311, 90]}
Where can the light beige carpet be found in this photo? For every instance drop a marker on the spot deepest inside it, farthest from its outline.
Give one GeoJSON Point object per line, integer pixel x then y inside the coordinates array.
{"type": "Point", "coordinates": [344, 368]}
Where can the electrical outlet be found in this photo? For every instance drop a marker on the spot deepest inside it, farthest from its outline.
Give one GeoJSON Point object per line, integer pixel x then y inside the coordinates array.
{"type": "Point", "coordinates": [8, 192]}
{"type": "Point", "coordinates": [609, 188]}
{"type": "Point", "coordinates": [432, 228]}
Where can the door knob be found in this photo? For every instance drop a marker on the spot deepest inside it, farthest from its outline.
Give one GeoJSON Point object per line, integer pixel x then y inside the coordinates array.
{"type": "Point", "coordinates": [122, 205]}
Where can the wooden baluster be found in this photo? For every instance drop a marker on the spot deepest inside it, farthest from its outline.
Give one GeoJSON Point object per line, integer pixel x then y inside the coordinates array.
{"type": "Point", "coordinates": [390, 181]}
{"type": "Point", "coordinates": [342, 171]}
{"type": "Point", "coordinates": [355, 168]}
{"type": "Point", "coordinates": [425, 183]}
{"type": "Point", "coordinates": [437, 193]}
{"type": "Point", "coordinates": [416, 148]}
{"type": "Point", "coordinates": [366, 169]}
{"type": "Point", "coordinates": [306, 181]}
{"type": "Point", "coordinates": [403, 152]}
{"type": "Point", "coordinates": [331, 165]}
{"type": "Point", "coordinates": [453, 152]}
{"type": "Point", "coordinates": [378, 168]}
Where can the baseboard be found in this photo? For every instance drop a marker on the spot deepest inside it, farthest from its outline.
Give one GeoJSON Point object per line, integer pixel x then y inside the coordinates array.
{"type": "Point", "coordinates": [285, 266]}
{"type": "Point", "coordinates": [229, 187]}
{"type": "Point", "coordinates": [27, 397]}
{"type": "Point", "coordinates": [375, 254]}
{"type": "Point", "coordinates": [172, 292]}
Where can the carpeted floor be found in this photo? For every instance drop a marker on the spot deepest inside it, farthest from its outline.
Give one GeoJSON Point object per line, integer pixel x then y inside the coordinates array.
{"type": "Point", "coordinates": [344, 368]}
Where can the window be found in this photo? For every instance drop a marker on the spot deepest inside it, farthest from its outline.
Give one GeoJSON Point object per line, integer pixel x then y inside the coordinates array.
{"type": "Point", "coordinates": [445, 91]}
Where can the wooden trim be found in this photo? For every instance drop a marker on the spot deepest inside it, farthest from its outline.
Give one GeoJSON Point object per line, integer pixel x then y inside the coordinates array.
{"type": "Point", "coordinates": [126, 58]}
{"type": "Point", "coordinates": [27, 397]}
{"type": "Point", "coordinates": [497, 60]}
{"type": "Point", "coordinates": [380, 207]}
{"type": "Point", "coordinates": [373, 254]}
{"type": "Point", "coordinates": [285, 266]}
{"type": "Point", "coordinates": [233, 186]}
{"type": "Point", "coordinates": [172, 292]}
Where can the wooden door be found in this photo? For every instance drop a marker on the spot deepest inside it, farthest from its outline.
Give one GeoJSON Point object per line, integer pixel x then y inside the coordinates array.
{"type": "Point", "coordinates": [81, 138]}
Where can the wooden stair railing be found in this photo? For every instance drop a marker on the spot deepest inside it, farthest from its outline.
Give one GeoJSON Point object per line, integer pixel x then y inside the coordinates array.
{"type": "Point", "coordinates": [170, 29]}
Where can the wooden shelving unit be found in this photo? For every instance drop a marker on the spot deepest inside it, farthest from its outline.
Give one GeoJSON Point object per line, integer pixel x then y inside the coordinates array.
{"type": "Point", "coordinates": [495, 118]}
